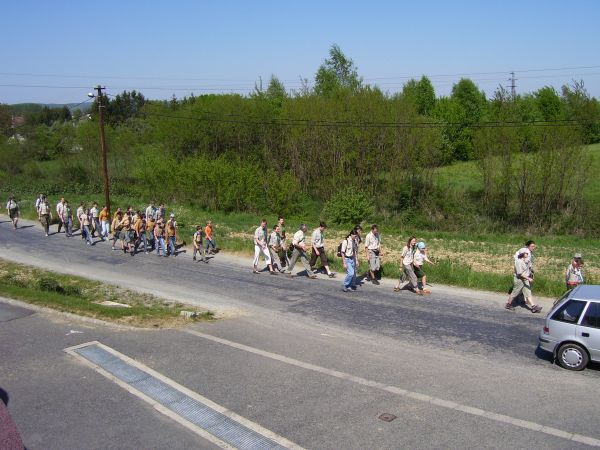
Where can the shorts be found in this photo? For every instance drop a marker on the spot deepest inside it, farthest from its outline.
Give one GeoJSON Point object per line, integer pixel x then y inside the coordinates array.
{"type": "Point", "coordinates": [418, 271]}
{"type": "Point", "coordinates": [374, 261]}
{"type": "Point", "coordinates": [13, 213]}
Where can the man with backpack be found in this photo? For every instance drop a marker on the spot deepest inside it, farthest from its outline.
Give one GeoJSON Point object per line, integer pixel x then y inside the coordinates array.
{"type": "Point", "coordinates": [68, 219]}
{"type": "Point", "coordinates": [12, 207]}
{"type": "Point", "coordinates": [275, 242]}
{"type": "Point", "coordinates": [59, 212]}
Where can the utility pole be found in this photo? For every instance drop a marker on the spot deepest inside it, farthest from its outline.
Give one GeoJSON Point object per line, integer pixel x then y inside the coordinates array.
{"type": "Point", "coordinates": [513, 86]}
{"type": "Point", "coordinates": [101, 107]}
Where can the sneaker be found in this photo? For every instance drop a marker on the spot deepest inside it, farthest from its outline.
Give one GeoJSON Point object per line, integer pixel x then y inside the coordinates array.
{"type": "Point", "coordinates": [331, 275]}
{"type": "Point", "coordinates": [345, 289]}
{"type": "Point", "coordinates": [536, 308]}
{"type": "Point", "coordinates": [396, 289]}
{"type": "Point", "coordinates": [426, 291]}
{"type": "Point", "coordinates": [46, 234]}
{"type": "Point", "coordinates": [272, 272]}
{"type": "Point", "coordinates": [255, 271]}
{"type": "Point", "coordinates": [509, 307]}
{"type": "Point", "coordinates": [312, 277]}
{"type": "Point", "coordinates": [194, 258]}
{"type": "Point", "coordinates": [419, 292]}
{"type": "Point", "coordinates": [375, 282]}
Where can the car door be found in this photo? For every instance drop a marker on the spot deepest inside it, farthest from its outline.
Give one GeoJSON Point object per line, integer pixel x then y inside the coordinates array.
{"type": "Point", "coordinates": [588, 331]}
{"type": "Point", "coordinates": [563, 322]}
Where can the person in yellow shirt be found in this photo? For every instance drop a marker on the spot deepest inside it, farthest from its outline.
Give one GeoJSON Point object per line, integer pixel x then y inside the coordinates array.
{"type": "Point", "coordinates": [104, 219]}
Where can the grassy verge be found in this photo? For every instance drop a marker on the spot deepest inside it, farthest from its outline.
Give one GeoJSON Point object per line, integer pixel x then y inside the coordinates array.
{"type": "Point", "coordinates": [83, 297]}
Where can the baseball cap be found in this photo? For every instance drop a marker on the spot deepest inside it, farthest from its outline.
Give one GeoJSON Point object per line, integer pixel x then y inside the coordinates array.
{"type": "Point", "coordinates": [421, 245]}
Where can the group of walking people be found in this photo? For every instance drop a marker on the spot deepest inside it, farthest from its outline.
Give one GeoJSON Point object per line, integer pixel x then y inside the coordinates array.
{"type": "Point", "coordinates": [281, 257]}
{"type": "Point", "coordinates": [128, 230]}
{"type": "Point", "coordinates": [151, 230]}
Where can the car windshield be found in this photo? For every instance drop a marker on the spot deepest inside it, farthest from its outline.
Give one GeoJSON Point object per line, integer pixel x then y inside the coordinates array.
{"type": "Point", "coordinates": [565, 295]}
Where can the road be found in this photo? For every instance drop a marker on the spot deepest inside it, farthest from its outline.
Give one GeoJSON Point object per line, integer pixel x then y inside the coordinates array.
{"type": "Point", "coordinates": [296, 356]}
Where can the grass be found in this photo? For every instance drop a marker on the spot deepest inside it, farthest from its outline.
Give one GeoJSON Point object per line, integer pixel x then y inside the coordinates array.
{"type": "Point", "coordinates": [83, 297]}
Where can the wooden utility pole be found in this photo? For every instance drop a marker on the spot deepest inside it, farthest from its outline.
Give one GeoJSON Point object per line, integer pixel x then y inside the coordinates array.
{"type": "Point", "coordinates": [103, 147]}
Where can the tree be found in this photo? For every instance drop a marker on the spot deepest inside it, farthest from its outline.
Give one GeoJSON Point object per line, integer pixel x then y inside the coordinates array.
{"type": "Point", "coordinates": [337, 73]}
{"type": "Point", "coordinates": [276, 92]}
{"type": "Point", "coordinates": [471, 100]}
{"type": "Point", "coordinates": [421, 94]}
{"type": "Point", "coordinates": [548, 103]}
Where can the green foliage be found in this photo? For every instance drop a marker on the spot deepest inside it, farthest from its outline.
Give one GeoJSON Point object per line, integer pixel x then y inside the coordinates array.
{"type": "Point", "coordinates": [337, 73]}
{"type": "Point", "coordinates": [349, 206]}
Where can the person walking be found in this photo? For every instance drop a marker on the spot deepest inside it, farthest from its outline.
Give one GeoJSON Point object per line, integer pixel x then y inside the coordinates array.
{"type": "Point", "coordinates": [522, 279]}
{"type": "Point", "coordinates": [283, 254]}
{"type": "Point", "coordinates": [373, 253]}
{"type": "Point", "coordinates": [78, 213]}
{"type": "Point", "coordinates": [45, 215]}
{"type": "Point", "coordinates": [116, 227]}
{"type": "Point", "coordinates": [139, 228]}
{"type": "Point", "coordinates": [408, 274]}
{"type": "Point", "coordinates": [574, 274]}
{"type": "Point", "coordinates": [12, 208]}
{"type": "Point", "coordinates": [419, 259]}
{"type": "Point", "coordinates": [198, 244]}
{"type": "Point", "coordinates": [59, 213]}
{"type": "Point", "coordinates": [211, 246]}
{"type": "Point", "coordinates": [150, 223]}
{"type": "Point", "coordinates": [349, 253]}
{"type": "Point", "coordinates": [85, 220]}
{"type": "Point", "coordinates": [150, 211]}
{"type": "Point", "coordinates": [275, 243]}
{"type": "Point", "coordinates": [38, 203]}
{"type": "Point", "coordinates": [318, 249]}
{"type": "Point", "coordinates": [260, 246]}
{"type": "Point", "coordinates": [299, 252]}
{"type": "Point", "coordinates": [104, 219]}
{"type": "Point", "coordinates": [68, 219]}
{"type": "Point", "coordinates": [171, 227]}
{"type": "Point", "coordinates": [159, 237]}
{"type": "Point", "coordinates": [127, 234]}
{"type": "Point", "coordinates": [94, 214]}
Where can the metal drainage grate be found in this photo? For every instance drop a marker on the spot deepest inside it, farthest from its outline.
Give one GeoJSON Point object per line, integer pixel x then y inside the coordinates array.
{"type": "Point", "coordinates": [216, 423]}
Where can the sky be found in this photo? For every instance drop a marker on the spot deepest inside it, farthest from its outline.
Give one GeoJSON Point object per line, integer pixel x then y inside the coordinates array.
{"type": "Point", "coordinates": [56, 51]}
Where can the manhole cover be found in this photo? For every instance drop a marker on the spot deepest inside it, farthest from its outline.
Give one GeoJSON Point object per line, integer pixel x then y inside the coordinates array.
{"type": "Point", "coordinates": [387, 417]}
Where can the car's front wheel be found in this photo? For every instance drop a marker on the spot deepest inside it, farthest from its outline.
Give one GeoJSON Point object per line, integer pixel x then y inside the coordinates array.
{"type": "Point", "coordinates": [572, 356]}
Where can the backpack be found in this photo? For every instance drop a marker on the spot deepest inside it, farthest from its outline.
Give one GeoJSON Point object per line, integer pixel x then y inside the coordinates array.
{"type": "Point", "coordinates": [339, 252]}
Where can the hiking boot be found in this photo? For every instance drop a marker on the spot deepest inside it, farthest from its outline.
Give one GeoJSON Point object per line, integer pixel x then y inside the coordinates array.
{"type": "Point", "coordinates": [375, 282]}
{"type": "Point", "coordinates": [194, 258]}
{"type": "Point", "coordinates": [536, 308]}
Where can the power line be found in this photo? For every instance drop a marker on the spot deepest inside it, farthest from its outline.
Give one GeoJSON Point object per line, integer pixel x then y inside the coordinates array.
{"type": "Point", "coordinates": [349, 124]}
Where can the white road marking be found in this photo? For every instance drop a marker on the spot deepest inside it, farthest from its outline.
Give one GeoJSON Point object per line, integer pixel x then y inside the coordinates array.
{"type": "Point", "coordinates": [176, 417]}
{"type": "Point", "coordinates": [405, 393]}
{"type": "Point", "coordinates": [73, 332]}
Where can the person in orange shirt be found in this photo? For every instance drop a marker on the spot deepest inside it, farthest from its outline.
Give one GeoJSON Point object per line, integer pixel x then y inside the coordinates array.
{"type": "Point", "coordinates": [104, 219]}
{"type": "Point", "coordinates": [210, 240]}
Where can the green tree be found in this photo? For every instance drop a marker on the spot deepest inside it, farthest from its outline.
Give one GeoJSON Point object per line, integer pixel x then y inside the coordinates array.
{"type": "Point", "coordinates": [548, 103]}
{"type": "Point", "coordinates": [337, 73]}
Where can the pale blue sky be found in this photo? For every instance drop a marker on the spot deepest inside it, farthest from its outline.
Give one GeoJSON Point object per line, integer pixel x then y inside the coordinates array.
{"type": "Point", "coordinates": [226, 46]}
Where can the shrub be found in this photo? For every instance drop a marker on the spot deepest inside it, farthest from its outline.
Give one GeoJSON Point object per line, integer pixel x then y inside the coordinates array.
{"type": "Point", "coordinates": [348, 206]}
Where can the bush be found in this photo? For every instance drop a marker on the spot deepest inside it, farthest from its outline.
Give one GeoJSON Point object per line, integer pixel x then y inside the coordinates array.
{"type": "Point", "coordinates": [348, 206]}
{"type": "Point", "coordinates": [50, 284]}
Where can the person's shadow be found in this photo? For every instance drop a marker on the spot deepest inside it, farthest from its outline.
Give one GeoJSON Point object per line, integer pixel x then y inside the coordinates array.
{"type": "Point", "coordinates": [4, 396]}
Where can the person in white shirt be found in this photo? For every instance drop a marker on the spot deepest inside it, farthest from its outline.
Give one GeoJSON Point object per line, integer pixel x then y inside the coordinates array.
{"type": "Point", "coordinates": [373, 252]}
{"type": "Point", "coordinates": [94, 212]}
{"type": "Point", "coordinates": [45, 215]}
{"type": "Point", "coordinates": [419, 259]}
{"type": "Point", "coordinates": [300, 252]}
{"type": "Point", "coordinates": [59, 212]}
{"type": "Point", "coordinates": [574, 274]}
{"type": "Point", "coordinates": [408, 274]}
{"type": "Point", "coordinates": [349, 252]}
{"type": "Point", "coordinates": [38, 202]}
{"type": "Point", "coordinates": [318, 249]}
{"type": "Point", "coordinates": [522, 279]}
{"type": "Point", "coordinates": [275, 242]}
{"type": "Point", "coordinates": [260, 246]}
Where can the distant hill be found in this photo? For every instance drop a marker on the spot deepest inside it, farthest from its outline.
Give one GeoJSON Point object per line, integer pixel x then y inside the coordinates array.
{"type": "Point", "coordinates": [24, 108]}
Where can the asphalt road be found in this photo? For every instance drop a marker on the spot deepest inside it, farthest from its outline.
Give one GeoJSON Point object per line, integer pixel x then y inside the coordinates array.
{"type": "Point", "coordinates": [453, 345]}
